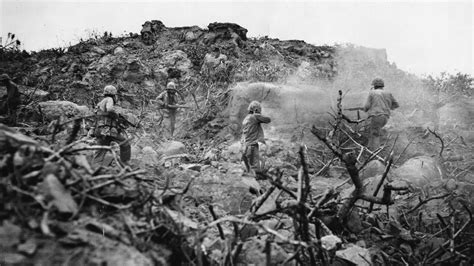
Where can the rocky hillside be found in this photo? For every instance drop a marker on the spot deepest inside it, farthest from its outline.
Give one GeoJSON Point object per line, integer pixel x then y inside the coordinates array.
{"type": "Point", "coordinates": [185, 199]}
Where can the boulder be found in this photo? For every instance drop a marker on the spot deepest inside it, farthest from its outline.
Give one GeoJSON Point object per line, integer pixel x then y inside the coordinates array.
{"type": "Point", "coordinates": [56, 193]}
{"type": "Point", "coordinates": [459, 114]}
{"type": "Point", "coordinates": [190, 36]}
{"type": "Point", "coordinates": [355, 254]}
{"type": "Point", "coordinates": [64, 109]}
{"type": "Point", "coordinates": [211, 155]}
{"type": "Point", "coordinates": [226, 27]}
{"type": "Point", "coordinates": [119, 50]}
{"type": "Point", "coordinates": [270, 203]}
{"type": "Point", "coordinates": [177, 59]}
{"type": "Point", "coordinates": [29, 247]}
{"type": "Point", "coordinates": [419, 171]}
{"type": "Point", "coordinates": [150, 30]}
{"type": "Point", "coordinates": [373, 168]}
{"type": "Point", "coordinates": [149, 156]}
{"type": "Point", "coordinates": [136, 71]}
{"type": "Point", "coordinates": [232, 152]}
{"type": "Point", "coordinates": [172, 148]}
{"type": "Point", "coordinates": [98, 50]}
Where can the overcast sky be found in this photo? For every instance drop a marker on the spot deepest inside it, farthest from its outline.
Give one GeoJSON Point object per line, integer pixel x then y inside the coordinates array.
{"type": "Point", "coordinates": [422, 37]}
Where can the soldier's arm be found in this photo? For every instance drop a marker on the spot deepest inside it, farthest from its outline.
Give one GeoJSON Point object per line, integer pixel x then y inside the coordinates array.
{"type": "Point", "coordinates": [160, 98]}
{"type": "Point", "coordinates": [181, 96]}
{"type": "Point", "coordinates": [262, 118]}
{"type": "Point", "coordinates": [109, 105]}
{"type": "Point", "coordinates": [368, 103]}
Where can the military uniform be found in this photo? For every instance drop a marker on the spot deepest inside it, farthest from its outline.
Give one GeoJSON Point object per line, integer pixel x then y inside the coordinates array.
{"type": "Point", "coordinates": [167, 100]}
{"type": "Point", "coordinates": [110, 130]}
{"type": "Point", "coordinates": [378, 106]}
{"type": "Point", "coordinates": [252, 134]}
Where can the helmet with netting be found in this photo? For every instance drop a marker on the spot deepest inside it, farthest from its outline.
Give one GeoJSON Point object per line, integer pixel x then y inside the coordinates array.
{"type": "Point", "coordinates": [110, 90]}
{"type": "Point", "coordinates": [378, 83]}
{"type": "Point", "coordinates": [171, 86]}
{"type": "Point", "coordinates": [255, 107]}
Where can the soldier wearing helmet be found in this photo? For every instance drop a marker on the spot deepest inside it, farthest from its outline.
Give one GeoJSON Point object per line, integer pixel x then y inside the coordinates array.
{"type": "Point", "coordinates": [214, 63]}
{"type": "Point", "coordinates": [378, 106]}
{"type": "Point", "coordinates": [11, 101]}
{"type": "Point", "coordinates": [252, 134]}
{"type": "Point", "coordinates": [108, 128]}
{"type": "Point", "coordinates": [168, 100]}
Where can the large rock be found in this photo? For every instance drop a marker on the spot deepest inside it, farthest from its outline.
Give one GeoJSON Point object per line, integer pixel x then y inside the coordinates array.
{"type": "Point", "coordinates": [373, 168]}
{"type": "Point", "coordinates": [64, 109]}
{"type": "Point", "coordinates": [9, 235]}
{"type": "Point", "coordinates": [232, 152]}
{"type": "Point", "coordinates": [136, 71]}
{"type": "Point", "coordinates": [172, 148]}
{"type": "Point", "coordinates": [225, 32]}
{"type": "Point", "coordinates": [419, 171]}
{"type": "Point", "coordinates": [177, 59]}
{"type": "Point", "coordinates": [149, 156]}
{"type": "Point", "coordinates": [150, 30]}
{"type": "Point", "coordinates": [459, 114]}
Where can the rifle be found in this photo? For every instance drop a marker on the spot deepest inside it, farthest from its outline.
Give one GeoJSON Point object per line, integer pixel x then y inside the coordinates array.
{"type": "Point", "coordinates": [122, 120]}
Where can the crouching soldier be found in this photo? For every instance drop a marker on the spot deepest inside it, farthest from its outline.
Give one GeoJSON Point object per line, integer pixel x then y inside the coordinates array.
{"type": "Point", "coordinates": [252, 134]}
{"type": "Point", "coordinates": [378, 107]}
{"type": "Point", "coordinates": [109, 128]}
{"type": "Point", "coordinates": [11, 101]}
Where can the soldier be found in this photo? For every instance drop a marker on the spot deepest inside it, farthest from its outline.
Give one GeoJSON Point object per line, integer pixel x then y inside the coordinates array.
{"type": "Point", "coordinates": [252, 134]}
{"type": "Point", "coordinates": [378, 106]}
{"type": "Point", "coordinates": [10, 102]}
{"type": "Point", "coordinates": [214, 63]}
{"type": "Point", "coordinates": [109, 128]}
{"type": "Point", "coordinates": [169, 100]}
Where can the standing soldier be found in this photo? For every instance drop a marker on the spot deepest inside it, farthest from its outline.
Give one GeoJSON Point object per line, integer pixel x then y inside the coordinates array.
{"type": "Point", "coordinates": [109, 129]}
{"type": "Point", "coordinates": [215, 63]}
{"type": "Point", "coordinates": [169, 100]}
{"type": "Point", "coordinates": [252, 134]}
{"type": "Point", "coordinates": [10, 102]}
{"type": "Point", "coordinates": [378, 106]}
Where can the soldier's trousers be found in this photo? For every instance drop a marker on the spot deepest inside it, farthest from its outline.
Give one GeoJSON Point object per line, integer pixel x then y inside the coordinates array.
{"type": "Point", "coordinates": [251, 157]}
{"type": "Point", "coordinates": [125, 148]}
{"type": "Point", "coordinates": [377, 122]}
{"type": "Point", "coordinates": [172, 118]}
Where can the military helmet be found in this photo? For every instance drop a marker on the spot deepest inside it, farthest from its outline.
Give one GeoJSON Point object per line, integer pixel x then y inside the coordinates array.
{"type": "Point", "coordinates": [255, 107]}
{"type": "Point", "coordinates": [110, 89]}
{"type": "Point", "coordinates": [377, 83]}
{"type": "Point", "coordinates": [171, 86]}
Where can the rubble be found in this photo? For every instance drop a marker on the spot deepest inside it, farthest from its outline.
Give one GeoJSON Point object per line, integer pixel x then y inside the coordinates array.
{"type": "Point", "coordinates": [62, 109]}
{"type": "Point", "coordinates": [56, 204]}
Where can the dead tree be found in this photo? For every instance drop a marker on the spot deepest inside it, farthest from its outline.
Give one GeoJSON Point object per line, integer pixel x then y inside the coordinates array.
{"type": "Point", "coordinates": [350, 161]}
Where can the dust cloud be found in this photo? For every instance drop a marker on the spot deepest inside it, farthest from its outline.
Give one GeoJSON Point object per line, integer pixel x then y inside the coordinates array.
{"type": "Point", "coordinates": [303, 100]}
